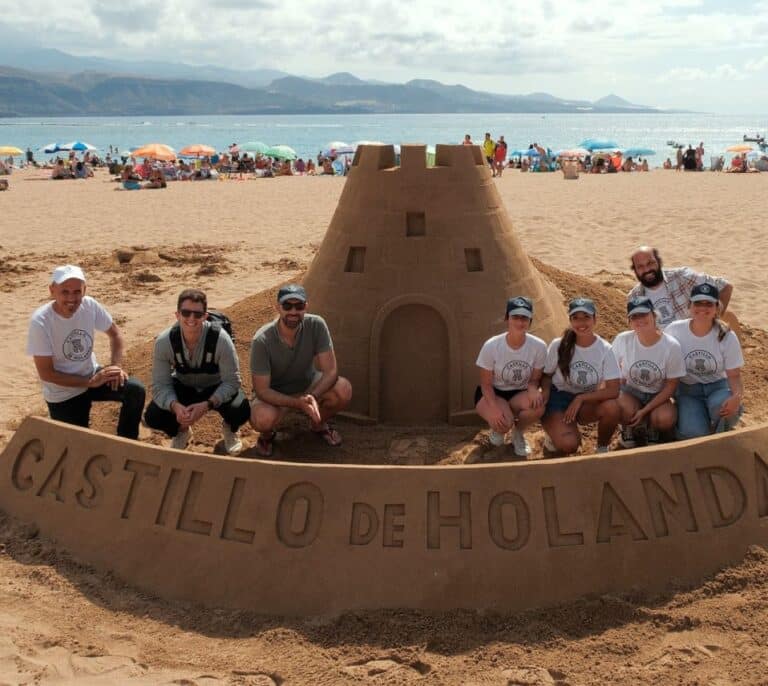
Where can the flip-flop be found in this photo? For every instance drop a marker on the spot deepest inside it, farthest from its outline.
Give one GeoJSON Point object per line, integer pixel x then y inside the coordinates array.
{"type": "Point", "coordinates": [265, 443]}
{"type": "Point", "coordinates": [329, 434]}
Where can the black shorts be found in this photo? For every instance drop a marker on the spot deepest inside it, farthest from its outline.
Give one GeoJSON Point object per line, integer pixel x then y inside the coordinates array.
{"type": "Point", "coordinates": [507, 395]}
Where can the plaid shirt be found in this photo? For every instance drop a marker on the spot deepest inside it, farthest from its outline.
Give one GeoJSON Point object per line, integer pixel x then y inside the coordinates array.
{"type": "Point", "coordinates": [679, 282]}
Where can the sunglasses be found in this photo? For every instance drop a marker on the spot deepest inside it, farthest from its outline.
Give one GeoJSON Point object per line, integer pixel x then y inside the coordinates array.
{"type": "Point", "coordinates": [197, 314]}
{"type": "Point", "coordinates": [298, 306]}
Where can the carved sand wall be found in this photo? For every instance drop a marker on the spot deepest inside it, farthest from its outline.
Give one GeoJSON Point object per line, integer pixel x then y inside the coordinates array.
{"type": "Point", "coordinates": [413, 275]}
{"type": "Point", "coordinates": [306, 539]}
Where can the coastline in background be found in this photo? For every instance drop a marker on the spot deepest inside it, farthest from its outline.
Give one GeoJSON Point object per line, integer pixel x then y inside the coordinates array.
{"type": "Point", "coordinates": [307, 134]}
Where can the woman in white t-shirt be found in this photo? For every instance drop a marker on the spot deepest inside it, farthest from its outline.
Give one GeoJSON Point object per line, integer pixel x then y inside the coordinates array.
{"type": "Point", "coordinates": [651, 365]}
{"type": "Point", "coordinates": [581, 383]}
{"type": "Point", "coordinates": [709, 395]}
{"type": "Point", "coordinates": [508, 397]}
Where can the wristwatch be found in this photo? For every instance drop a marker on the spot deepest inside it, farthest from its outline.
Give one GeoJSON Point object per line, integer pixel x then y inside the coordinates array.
{"type": "Point", "coordinates": [210, 404]}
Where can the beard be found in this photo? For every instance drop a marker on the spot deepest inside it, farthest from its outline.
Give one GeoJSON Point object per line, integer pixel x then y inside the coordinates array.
{"type": "Point", "coordinates": [651, 279]}
{"type": "Point", "coordinates": [292, 322]}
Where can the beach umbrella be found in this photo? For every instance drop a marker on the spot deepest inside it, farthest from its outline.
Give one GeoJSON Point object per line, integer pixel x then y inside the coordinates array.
{"type": "Point", "coordinates": [336, 148]}
{"type": "Point", "coordinates": [196, 150]}
{"type": "Point", "coordinates": [598, 144]}
{"type": "Point", "coordinates": [281, 152]}
{"type": "Point", "coordinates": [51, 148]}
{"type": "Point", "coordinates": [10, 150]}
{"type": "Point", "coordinates": [531, 152]}
{"type": "Point", "coordinates": [638, 152]}
{"type": "Point", "coordinates": [77, 146]}
{"type": "Point", "coordinates": [254, 146]}
{"type": "Point", "coordinates": [739, 148]}
{"type": "Point", "coordinates": [572, 152]}
{"type": "Point", "coordinates": [156, 151]}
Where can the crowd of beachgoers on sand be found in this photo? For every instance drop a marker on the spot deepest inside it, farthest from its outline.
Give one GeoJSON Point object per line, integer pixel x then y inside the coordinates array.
{"type": "Point", "coordinates": [154, 165]}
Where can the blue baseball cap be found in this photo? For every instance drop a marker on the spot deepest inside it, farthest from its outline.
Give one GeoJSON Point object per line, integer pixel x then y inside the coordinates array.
{"type": "Point", "coordinates": [639, 305]}
{"type": "Point", "coordinates": [582, 305]}
{"type": "Point", "coordinates": [520, 305]}
{"type": "Point", "coordinates": [291, 292]}
{"type": "Point", "coordinates": [705, 292]}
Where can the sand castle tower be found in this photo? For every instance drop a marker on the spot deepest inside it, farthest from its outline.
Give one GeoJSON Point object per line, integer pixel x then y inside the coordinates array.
{"type": "Point", "coordinates": [413, 276]}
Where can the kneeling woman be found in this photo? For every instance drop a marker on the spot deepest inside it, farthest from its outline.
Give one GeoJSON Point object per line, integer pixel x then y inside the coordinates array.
{"type": "Point", "coordinates": [709, 395]}
{"type": "Point", "coordinates": [581, 383]}
{"type": "Point", "coordinates": [508, 396]}
{"type": "Point", "coordinates": [651, 365]}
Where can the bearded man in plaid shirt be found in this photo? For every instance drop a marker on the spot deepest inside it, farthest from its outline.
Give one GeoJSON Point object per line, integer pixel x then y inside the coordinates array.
{"type": "Point", "coordinates": [670, 289]}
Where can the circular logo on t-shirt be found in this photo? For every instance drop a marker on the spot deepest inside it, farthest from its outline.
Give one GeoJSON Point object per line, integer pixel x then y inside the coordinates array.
{"type": "Point", "coordinates": [78, 345]}
{"type": "Point", "coordinates": [516, 373]}
{"type": "Point", "coordinates": [583, 376]}
{"type": "Point", "coordinates": [645, 373]}
{"type": "Point", "coordinates": [701, 363]}
{"type": "Point", "coordinates": [665, 309]}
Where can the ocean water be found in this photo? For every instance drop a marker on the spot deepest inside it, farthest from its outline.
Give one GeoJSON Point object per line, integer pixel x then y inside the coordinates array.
{"type": "Point", "coordinates": [308, 134]}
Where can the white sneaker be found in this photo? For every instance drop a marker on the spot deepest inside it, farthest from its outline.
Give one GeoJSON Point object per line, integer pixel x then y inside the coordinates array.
{"type": "Point", "coordinates": [627, 437]}
{"type": "Point", "coordinates": [548, 445]}
{"type": "Point", "coordinates": [519, 444]}
{"type": "Point", "coordinates": [496, 438]}
{"type": "Point", "coordinates": [232, 443]}
{"type": "Point", "coordinates": [181, 440]}
{"type": "Point", "coordinates": [603, 449]}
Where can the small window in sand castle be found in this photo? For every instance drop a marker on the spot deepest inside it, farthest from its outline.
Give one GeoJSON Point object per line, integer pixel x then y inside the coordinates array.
{"type": "Point", "coordinates": [415, 224]}
{"type": "Point", "coordinates": [355, 260]}
{"type": "Point", "coordinates": [474, 259]}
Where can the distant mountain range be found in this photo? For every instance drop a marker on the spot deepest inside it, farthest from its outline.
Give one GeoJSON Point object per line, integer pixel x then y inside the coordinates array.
{"type": "Point", "coordinates": [54, 83]}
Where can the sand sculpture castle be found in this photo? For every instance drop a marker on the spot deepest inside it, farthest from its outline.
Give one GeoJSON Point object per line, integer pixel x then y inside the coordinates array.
{"type": "Point", "coordinates": [413, 276]}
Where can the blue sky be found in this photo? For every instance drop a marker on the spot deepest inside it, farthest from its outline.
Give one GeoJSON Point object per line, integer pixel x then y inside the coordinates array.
{"type": "Point", "coordinates": [696, 54]}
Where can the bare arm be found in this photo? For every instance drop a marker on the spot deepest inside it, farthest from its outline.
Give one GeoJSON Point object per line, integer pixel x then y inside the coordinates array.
{"type": "Point", "coordinates": [661, 397]}
{"type": "Point", "coordinates": [263, 392]}
{"type": "Point", "coordinates": [325, 363]}
{"type": "Point", "coordinates": [731, 406]}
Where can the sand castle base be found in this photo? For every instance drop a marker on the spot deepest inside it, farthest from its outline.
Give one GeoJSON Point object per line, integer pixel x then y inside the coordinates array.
{"type": "Point", "coordinates": [301, 539]}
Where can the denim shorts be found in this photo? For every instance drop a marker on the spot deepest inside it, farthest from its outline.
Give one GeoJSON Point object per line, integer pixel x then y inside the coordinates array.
{"type": "Point", "coordinates": [558, 401]}
{"type": "Point", "coordinates": [642, 396]}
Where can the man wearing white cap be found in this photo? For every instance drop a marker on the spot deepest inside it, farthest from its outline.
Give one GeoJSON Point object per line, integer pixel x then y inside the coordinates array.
{"type": "Point", "coordinates": [60, 341]}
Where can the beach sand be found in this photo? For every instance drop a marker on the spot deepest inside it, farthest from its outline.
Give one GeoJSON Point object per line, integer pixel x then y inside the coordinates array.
{"type": "Point", "coordinates": [65, 623]}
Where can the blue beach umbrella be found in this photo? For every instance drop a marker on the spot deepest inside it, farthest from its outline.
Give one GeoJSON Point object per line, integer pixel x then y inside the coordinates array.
{"type": "Point", "coordinates": [598, 144]}
{"type": "Point", "coordinates": [77, 146]}
{"type": "Point", "coordinates": [638, 152]}
{"type": "Point", "coordinates": [531, 152]}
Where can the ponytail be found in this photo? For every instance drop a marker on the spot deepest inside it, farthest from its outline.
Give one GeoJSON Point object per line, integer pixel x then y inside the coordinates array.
{"type": "Point", "coordinates": [565, 352]}
{"type": "Point", "coordinates": [722, 328]}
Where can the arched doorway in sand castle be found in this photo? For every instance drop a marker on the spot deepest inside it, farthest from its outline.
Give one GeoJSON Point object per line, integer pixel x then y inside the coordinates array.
{"type": "Point", "coordinates": [412, 277]}
{"type": "Point", "coordinates": [413, 358]}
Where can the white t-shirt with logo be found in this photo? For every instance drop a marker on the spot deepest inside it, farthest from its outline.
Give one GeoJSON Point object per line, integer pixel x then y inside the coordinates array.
{"type": "Point", "coordinates": [648, 368]}
{"type": "Point", "coordinates": [589, 367]}
{"type": "Point", "coordinates": [706, 359]}
{"type": "Point", "coordinates": [68, 341]}
{"type": "Point", "coordinates": [512, 368]}
{"type": "Point", "coordinates": [662, 302]}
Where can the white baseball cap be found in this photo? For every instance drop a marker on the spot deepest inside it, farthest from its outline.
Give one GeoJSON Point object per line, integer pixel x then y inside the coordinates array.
{"type": "Point", "coordinates": [66, 272]}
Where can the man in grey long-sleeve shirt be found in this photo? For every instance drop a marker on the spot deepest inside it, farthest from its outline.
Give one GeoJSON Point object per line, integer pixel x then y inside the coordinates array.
{"type": "Point", "coordinates": [194, 370]}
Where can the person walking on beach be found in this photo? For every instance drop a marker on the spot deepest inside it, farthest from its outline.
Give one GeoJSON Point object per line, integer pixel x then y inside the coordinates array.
{"type": "Point", "coordinates": [669, 289]}
{"type": "Point", "coordinates": [679, 165]}
{"type": "Point", "coordinates": [488, 149]}
{"type": "Point", "coordinates": [293, 367]}
{"type": "Point", "coordinates": [500, 155]}
{"type": "Point", "coordinates": [60, 341]}
{"type": "Point", "coordinates": [195, 370]}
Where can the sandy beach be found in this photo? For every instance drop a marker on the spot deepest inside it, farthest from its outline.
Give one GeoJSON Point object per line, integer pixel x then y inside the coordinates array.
{"type": "Point", "coordinates": [67, 624]}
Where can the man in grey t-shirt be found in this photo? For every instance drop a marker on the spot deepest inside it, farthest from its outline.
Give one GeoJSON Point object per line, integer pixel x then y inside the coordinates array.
{"type": "Point", "coordinates": [293, 367]}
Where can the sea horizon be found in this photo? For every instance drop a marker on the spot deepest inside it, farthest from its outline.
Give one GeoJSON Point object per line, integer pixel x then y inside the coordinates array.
{"type": "Point", "coordinates": [308, 134]}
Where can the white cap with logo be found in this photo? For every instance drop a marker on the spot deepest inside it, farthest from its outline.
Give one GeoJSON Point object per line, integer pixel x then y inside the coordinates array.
{"type": "Point", "coordinates": [66, 272]}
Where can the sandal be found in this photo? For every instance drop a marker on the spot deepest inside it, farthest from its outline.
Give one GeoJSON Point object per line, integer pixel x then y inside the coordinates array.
{"type": "Point", "coordinates": [329, 434]}
{"type": "Point", "coordinates": [265, 443]}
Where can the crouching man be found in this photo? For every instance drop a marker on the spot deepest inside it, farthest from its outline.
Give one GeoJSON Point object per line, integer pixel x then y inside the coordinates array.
{"type": "Point", "coordinates": [293, 367]}
{"type": "Point", "coordinates": [195, 370]}
{"type": "Point", "coordinates": [61, 335]}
